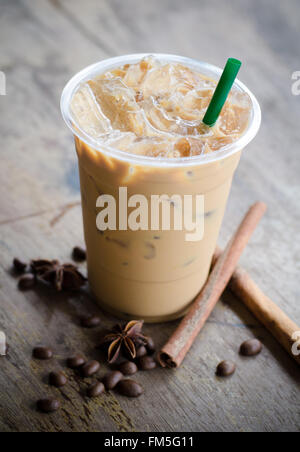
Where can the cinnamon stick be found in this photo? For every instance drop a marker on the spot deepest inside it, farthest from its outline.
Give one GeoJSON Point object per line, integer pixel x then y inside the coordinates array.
{"type": "Point", "coordinates": [266, 311]}
{"type": "Point", "coordinates": [174, 351]}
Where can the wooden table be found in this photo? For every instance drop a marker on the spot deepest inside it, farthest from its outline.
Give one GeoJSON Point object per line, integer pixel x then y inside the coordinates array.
{"type": "Point", "coordinates": [43, 43]}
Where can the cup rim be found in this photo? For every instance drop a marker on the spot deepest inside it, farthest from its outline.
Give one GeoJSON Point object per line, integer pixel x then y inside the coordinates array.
{"type": "Point", "coordinates": [110, 63]}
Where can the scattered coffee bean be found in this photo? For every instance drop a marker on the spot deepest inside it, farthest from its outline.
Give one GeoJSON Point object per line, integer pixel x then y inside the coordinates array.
{"type": "Point", "coordinates": [75, 361]}
{"type": "Point", "coordinates": [147, 363]}
{"type": "Point", "coordinates": [226, 368]}
{"type": "Point", "coordinates": [90, 368]}
{"type": "Point", "coordinates": [90, 321]}
{"type": "Point", "coordinates": [150, 346]}
{"type": "Point", "coordinates": [19, 266]}
{"type": "Point", "coordinates": [79, 254]}
{"type": "Point", "coordinates": [112, 379]}
{"type": "Point", "coordinates": [57, 379]}
{"type": "Point", "coordinates": [26, 282]}
{"type": "Point", "coordinates": [129, 388]}
{"type": "Point", "coordinates": [95, 390]}
{"type": "Point", "coordinates": [141, 351]}
{"type": "Point", "coordinates": [42, 353]}
{"type": "Point", "coordinates": [48, 405]}
{"type": "Point", "coordinates": [251, 347]}
{"type": "Point", "coordinates": [128, 368]}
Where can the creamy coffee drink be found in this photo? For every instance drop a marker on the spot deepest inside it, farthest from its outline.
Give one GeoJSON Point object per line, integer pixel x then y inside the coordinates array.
{"type": "Point", "coordinates": [138, 125]}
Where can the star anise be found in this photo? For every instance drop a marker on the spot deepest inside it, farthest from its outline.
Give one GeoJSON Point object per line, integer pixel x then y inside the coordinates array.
{"type": "Point", "coordinates": [125, 339]}
{"type": "Point", "coordinates": [60, 276]}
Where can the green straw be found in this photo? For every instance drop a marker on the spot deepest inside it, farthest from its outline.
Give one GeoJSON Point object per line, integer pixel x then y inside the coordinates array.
{"type": "Point", "coordinates": [222, 90]}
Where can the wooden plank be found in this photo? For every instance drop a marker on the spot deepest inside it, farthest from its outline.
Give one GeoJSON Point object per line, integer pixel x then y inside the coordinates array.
{"type": "Point", "coordinates": [193, 395]}
{"type": "Point", "coordinates": [44, 43]}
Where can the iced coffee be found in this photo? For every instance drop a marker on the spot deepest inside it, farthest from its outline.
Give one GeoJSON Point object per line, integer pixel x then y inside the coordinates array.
{"type": "Point", "coordinates": [138, 126]}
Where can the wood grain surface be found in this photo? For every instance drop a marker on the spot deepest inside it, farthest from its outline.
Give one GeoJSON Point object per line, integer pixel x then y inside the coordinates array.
{"type": "Point", "coordinates": [43, 43]}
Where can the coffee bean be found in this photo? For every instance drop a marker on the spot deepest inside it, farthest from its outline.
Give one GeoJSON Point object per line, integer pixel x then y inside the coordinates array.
{"type": "Point", "coordinates": [95, 390]}
{"type": "Point", "coordinates": [128, 368]}
{"type": "Point", "coordinates": [112, 379]}
{"type": "Point", "coordinates": [226, 368]}
{"type": "Point", "coordinates": [57, 379]}
{"type": "Point", "coordinates": [251, 347]}
{"type": "Point", "coordinates": [76, 361]}
{"type": "Point", "coordinates": [42, 353]}
{"type": "Point", "coordinates": [150, 346]}
{"type": "Point", "coordinates": [79, 254]}
{"type": "Point", "coordinates": [129, 388]}
{"type": "Point", "coordinates": [26, 282]}
{"type": "Point", "coordinates": [48, 405]}
{"type": "Point", "coordinates": [141, 351]}
{"type": "Point", "coordinates": [90, 321]}
{"type": "Point", "coordinates": [147, 363]}
{"type": "Point", "coordinates": [90, 368]}
{"type": "Point", "coordinates": [19, 266]}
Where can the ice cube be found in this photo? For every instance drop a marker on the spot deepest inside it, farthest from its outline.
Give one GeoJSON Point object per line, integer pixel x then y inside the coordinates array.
{"type": "Point", "coordinates": [87, 113]}
{"type": "Point", "coordinates": [235, 115]}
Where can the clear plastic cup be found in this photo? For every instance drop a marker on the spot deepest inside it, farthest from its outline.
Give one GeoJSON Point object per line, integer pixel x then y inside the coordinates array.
{"type": "Point", "coordinates": [145, 274]}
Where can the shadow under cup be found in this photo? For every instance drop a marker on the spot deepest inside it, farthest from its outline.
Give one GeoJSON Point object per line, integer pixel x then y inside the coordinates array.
{"type": "Point", "coordinates": [153, 275]}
